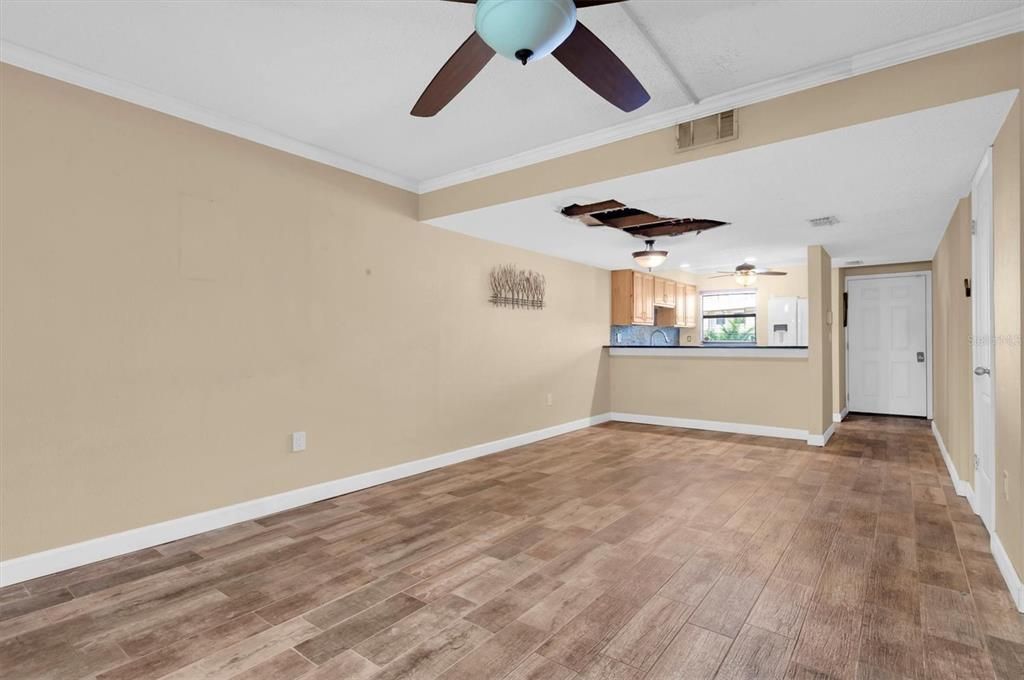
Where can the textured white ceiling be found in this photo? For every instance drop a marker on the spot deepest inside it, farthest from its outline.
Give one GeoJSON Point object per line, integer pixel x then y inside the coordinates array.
{"type": "Point", "coordinates": [723, 46]}
{"type": "Point", "coordinates": [341, 76]}
{"type": "Point", "coordinates": [893, 183]}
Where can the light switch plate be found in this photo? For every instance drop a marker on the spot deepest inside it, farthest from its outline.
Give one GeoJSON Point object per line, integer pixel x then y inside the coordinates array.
{"type": "Point", "coordinates": [298, 441]}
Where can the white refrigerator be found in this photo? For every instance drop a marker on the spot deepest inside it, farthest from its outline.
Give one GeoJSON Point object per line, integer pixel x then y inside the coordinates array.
{"type": "Point", "coordinates": [787, 321]}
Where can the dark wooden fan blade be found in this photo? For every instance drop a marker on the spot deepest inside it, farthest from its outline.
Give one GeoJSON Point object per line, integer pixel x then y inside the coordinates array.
{"type": "Point", "coordinates": [580, 4]}
{"type": "Point", "coordinates": [456, 73]}
{"type": "Point", "coordinates": [761, 273]}
{"type": "Point", "coordinates": [591, 61]}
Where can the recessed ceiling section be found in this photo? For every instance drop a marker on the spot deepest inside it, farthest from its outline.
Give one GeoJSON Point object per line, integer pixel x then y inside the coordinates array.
{"type": "Point", "coordinates": [895, 182]}
{"type": "Point", "coordinates": [335, 81]}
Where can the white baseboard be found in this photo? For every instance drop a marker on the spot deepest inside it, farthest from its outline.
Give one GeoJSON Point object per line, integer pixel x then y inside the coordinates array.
{"type": "Point", "coordinates": [821, 439]}
{"type": "Point", "coordinates": [969, 495]}
{"type": "Point", "coordinates": [962, 487]}
{"type": "Point", "coordinates": [713, 425]}
{"type": "Point", "coordinates": [65, 557]}
{"type": "Point", "coordinates": [1013, 581]}
{"type": "Point", "coordinates": [840, 416]}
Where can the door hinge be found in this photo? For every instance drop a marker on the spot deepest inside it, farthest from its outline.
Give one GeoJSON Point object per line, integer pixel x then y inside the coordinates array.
{"type": "Point", "coordinates": [974, 226]}
{"type": "Point", "coordinates": [977, 462]}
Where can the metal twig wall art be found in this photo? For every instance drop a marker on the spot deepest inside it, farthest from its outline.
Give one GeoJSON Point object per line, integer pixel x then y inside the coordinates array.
{"type": "Point", "coordinates": [516, 288]}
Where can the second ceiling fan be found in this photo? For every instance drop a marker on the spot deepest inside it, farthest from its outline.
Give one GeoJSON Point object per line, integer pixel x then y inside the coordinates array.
{"type": "Point", "coordinates": [527, 30]}
{"type": "Point", "coordinates": [746, 274]}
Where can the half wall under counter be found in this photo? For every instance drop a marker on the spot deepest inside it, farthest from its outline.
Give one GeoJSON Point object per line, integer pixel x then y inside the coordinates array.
{"type": "Point", "coordinates": [748, 390]}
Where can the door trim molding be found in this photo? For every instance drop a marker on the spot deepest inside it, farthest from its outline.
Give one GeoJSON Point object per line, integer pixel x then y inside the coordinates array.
{"type": "Point", "coordinates": [928, 346]}
{"type": "Point", "coordinates": [992, 505]}
{"type": "Point", "coordinates": [33, 565]}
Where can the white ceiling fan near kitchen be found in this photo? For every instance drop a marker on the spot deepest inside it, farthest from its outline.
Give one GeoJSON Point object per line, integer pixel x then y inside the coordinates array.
{"type": "Point", "coordinates": [746, 274]}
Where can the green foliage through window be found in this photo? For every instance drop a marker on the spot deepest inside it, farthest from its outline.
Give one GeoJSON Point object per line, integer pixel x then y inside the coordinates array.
{"type": "Point", "coordinates": [729, 316]}
{"type": "Point", "coordinates": [736, 329]}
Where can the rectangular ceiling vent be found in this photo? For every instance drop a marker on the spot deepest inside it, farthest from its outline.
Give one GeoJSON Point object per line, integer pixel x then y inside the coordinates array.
{"type": "Point", "coordinates": [826, 221]}
{"type": "Point", "coordinates": [720, 127]}
{"type": "Point", "coordinates": [854, 263]}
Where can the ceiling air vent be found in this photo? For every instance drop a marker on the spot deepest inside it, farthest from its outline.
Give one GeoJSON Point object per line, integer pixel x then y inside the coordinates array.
{"type": "Point", "coordinates": [720, 127]}
{"type": "Point", "coordinates": [853, 263]}
{"type": "Point", "coordinates": [826, 221]}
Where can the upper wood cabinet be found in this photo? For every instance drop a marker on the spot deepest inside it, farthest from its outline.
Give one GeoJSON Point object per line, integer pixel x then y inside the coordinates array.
{"type": "Point", "coordinates": [690, 305]}
{"type": "Point", "coordinates": [664, 293]}
{"type": "Point", "coordinates": [632, 298]}
{"type": "Point", "coordinates": [681, 298]}
{"type": "Point", "coordinates": [684, 312]}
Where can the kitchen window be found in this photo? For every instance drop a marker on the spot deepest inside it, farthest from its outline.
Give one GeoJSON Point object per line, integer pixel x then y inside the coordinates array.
{"type": "Point", "coordinates": [729, 317]}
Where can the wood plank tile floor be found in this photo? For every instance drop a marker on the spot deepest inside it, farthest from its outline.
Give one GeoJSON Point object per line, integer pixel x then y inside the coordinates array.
{"type": "Point", "coordinates": [616, 552]}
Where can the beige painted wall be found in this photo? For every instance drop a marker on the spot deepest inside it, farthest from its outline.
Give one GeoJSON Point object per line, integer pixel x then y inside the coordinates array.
{"type": "Point", "coordinates": [1009, 482]}
{"type": "Point", "coordinates": [951, 354]}
{"type": "Point", "coordinates": [819, 346]}
{"type": "Point", "coordinates": [973, 71]}
{"type": "Point", "coordinates": [952, 327]}
{"type": "Point", "coordinates": [176, 301]}
{"type": "Point", "coordinates": [723, 389]}
{"type": "Point", "coordinates": [774, 392]}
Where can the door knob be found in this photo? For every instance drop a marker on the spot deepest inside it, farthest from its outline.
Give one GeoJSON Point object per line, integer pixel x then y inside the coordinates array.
{"type": "Point", "coordinates": [980, 370]}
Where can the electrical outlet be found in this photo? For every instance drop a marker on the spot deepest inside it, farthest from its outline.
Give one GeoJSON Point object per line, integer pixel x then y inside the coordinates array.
{"type": "Point", "coordinates": [298, 441]}
{"type": "Point", "coordinates": [549, 400]}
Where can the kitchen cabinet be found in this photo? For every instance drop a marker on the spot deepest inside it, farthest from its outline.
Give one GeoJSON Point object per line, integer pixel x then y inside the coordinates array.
{"type": "Point", "coordinates": [633, 295]}
{"type": "Point", "coordinates": [664, 293]}
{"type": "Point", "coordinates": [683, 312]}
{"type": "Point", "coordinates": [690, 306]}
{"type": "Point", "coordinates": [681, 298]}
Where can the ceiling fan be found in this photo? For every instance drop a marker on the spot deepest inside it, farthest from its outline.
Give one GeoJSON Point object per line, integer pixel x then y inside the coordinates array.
{"type": "Point", "coordinates": [746, 274]}
{"type": "Point", "coordinates": [527, 30]}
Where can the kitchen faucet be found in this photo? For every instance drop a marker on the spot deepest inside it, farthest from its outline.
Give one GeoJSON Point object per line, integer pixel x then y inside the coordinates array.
{"type": "Point", "coordinates": [664, 335]}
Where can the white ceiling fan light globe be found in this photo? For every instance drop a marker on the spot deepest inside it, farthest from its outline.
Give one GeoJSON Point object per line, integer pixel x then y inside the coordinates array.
{"type": "Point", "coordinates": [746, 280]}
{"type": "Point", "coordinates": [539, 26]}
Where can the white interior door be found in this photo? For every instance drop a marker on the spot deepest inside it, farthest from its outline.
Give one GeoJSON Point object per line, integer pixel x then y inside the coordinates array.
{"type": "Point", "coordinates": [887, 344]}
{"type": "Point", "coordinates": [981, 345]}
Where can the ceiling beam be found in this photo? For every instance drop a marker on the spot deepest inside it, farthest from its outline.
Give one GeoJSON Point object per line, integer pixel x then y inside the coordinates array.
{"type": "Point", "coordinates": [656, 48]}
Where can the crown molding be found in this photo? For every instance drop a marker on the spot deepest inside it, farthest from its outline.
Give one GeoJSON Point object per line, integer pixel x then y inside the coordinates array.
{"type": "Point", "coordinates": [979, 30]}
{"type": "Point", "coordinates": [52, 67]}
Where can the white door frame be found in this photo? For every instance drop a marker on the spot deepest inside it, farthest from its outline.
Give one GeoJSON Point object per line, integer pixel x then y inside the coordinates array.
{"type": "Point", "coordinates": [983, 507]}
{"type": "Point", "coordinates": [928, 330]}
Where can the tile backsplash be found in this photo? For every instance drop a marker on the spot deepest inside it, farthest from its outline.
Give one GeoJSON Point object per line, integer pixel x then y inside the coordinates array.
{"type": "Point", "coordinates": [641, 335]}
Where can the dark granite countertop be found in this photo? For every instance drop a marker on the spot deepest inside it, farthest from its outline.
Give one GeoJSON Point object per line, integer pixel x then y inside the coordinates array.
{"type": "Point", "coordinates": [723, 346]}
